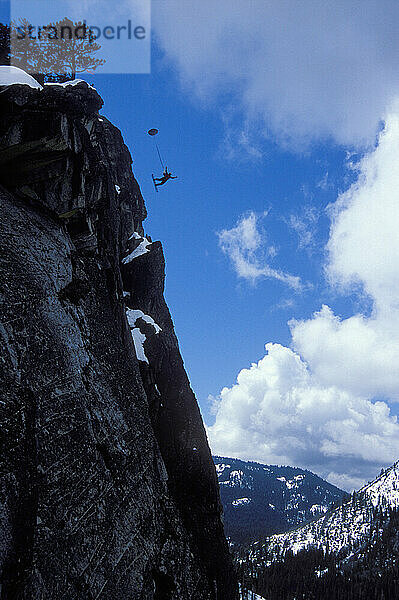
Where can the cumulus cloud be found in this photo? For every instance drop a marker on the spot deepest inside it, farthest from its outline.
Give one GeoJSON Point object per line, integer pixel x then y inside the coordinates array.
{"type": "Point", "coordinates": [314, 405]}
{"type": "Point", "coordinates": [361, 353]}
{"type": "Point", "coordinates": [305, 70]}
{"type": "Point", "coordinates": [364, 242]}
{"type": "Point", "coordinates": [358, 353]}
{"type": "Point", "coordinates": [246, 248]}
{"type": "Point", "coordinates": [277, 412]}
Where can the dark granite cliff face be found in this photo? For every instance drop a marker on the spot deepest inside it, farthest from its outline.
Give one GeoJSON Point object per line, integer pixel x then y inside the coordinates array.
{"type": "Point", "coordinates": [107, 490]}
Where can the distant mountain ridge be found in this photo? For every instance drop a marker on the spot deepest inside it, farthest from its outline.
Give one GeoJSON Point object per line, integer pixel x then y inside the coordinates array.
{"type": "Point", "coordinates": [260, 500]}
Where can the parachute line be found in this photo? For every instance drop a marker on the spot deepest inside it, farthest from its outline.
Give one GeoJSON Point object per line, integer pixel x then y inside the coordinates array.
{"type": "Point", "coordinates": [153, 132]}
{"type": "Point", "coordinates": [160, 157]}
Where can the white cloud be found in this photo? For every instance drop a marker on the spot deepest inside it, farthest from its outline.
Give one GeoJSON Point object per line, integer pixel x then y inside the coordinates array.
{"type": "Point", "coordinates": [313, 406]}
{"type": "Point", "coordinates": [364, 240]}
{"type": "Point", "coordinates": [346, 482]}
{"type": "Point", "coordinates": [361, 353]}
{"type": "Point", "coordinates": [241, 139]}
{"type": "Point", "coordinates": [324, 183]}
{"type": "Point", "coordinates": [244, 245]}
{"type": "Point", "coordinates": [284, 304]}
{"type": "Point", "coordinates": [307, 70]}
{"type": "Point", "coordinates": [304, 225]}
{"type": "Point", "coordinates": [277, 412]}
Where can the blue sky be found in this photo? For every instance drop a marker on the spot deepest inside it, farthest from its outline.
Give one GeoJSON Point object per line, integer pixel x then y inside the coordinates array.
{"type": "Point", "coordinates": [223, 323]}
{"type": "Point", "coordinates": [281, 122]}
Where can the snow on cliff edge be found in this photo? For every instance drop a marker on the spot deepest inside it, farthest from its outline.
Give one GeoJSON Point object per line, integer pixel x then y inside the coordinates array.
{"type": "Point", "coordinates": [13, 75]}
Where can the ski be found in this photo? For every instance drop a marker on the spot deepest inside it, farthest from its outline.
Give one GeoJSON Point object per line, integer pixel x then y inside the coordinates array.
{"type": "Point", "coordinates": [155, 185]}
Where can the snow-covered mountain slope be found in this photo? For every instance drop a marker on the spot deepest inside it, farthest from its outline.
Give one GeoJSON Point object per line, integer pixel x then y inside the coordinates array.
{"type": "Point", "coordinates": [385, 489]}
{"type": "Point", "coordinates": [348, 528]}
{"type": "Point", "coordinates": [259, 500]}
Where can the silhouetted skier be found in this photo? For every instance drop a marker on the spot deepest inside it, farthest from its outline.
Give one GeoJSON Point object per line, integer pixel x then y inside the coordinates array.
{"type": "Point", "coordinates": [165, 177]}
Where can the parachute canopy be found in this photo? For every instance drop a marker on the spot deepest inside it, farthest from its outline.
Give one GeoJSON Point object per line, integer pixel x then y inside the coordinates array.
{"type": "Point", "coordinates": [152, 131]}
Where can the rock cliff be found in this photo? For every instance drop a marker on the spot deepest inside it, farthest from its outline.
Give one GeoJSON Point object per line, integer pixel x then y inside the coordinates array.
{"type": "Point", "coordinates": [108, 489]}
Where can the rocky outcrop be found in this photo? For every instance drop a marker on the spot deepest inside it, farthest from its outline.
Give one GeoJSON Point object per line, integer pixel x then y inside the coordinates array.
{"type": "Point", "coordinates": [108, 490]}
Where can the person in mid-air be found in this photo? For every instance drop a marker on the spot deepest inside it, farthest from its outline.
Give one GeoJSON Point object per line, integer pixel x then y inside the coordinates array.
{"type": "Point", "coordinates": [165, 177]}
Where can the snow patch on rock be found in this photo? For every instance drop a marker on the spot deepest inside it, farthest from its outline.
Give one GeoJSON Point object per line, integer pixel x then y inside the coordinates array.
{"type": "Point", "coordinates": [134, 314]}
{"type": "Point", "coordinates": [138, 340]}
{"type": "Point", "coordinates": [72, 82]}
{"type": "Point", "coordinates": [241, 501]}
{"type": "Point", "coordinates": [220, 468]}
{"type": "Point", "coordinates": [142, 248]}
{"type": "Point", "coordinates": [14, 75]}
{"type": "Point", "coordinates": [138, 337]}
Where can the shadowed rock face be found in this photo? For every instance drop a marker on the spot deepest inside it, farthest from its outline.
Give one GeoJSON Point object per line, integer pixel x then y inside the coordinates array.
{"type": "Point", "coordinates": [108, 490]}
